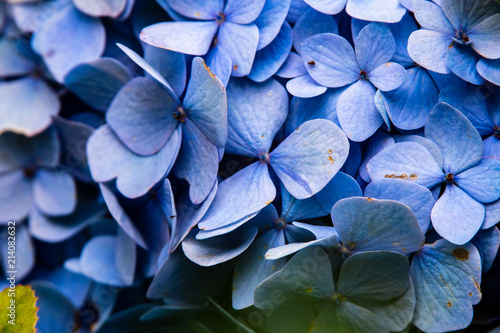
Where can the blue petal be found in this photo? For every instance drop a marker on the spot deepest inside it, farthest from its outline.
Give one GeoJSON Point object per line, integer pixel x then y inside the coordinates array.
{"type": "Point", "coordinates": [240, 43]}
{"type": "Point", "coordinates": [330, 60]}
{"type": "Point", "coordinates": [485, 37]}
{"type": "Point", "coordinates": [430, 16]}
{"type": "Point", "coordinates": [216, 250]}
{"type": "Point", "coordinates": [304, 109]}
{"type": "Point", "coordinates": [146, 67]}
{"type": "Point", "coordinates": [198, 162]}
{"type": "Point", "coordinates": [353, 162]}
{"type": "Point", "coordinates": [229, 205]}
{"type": "Point", "coordinates": [375, 46]}
{"type": "Point", "coordinates": [340, 187]}
{"type": "Point", "coordinates": [465, 15]}
{"type": "Point", "coordinates": [15, 199]}
{"type": "Point", "coordinates": [288, 249]}
{"type": "Point", "coordinates": [297, 8]}
{"type": "Point", "coordinates": [456, 216]}
{"type": "Point", "coordinates": [12, 61]}
{"type": "Point", "coordinates": [24, 258]}
{"type": "Point", "coordinates": [428, 49]}
{"type": "Point", "coordinates": [168, 64]}
{"type": "Point", "coordinates": [97, 82]}
{"type": "Point", "coordinates": [271, 20]}
{"type": "Point", "coordinates": [417, 197]}
{"type": "Point", "coordinates": [73, 29]}
{"type": "Point", "coordinates": [252, 267]}
{"type": "Point", "coordinates": [55, 311]}
{"type": "Point", "coordinates": [256, 112]}
{"type": "Point", "coordinates": [492, 214]}
{"type": "Point", "coordinates": [388, 76]}
{"type": "Point", "coordinates": [304, 86]}
{"type": "Point", "coordinates": [491, 148]}
{"type": "Point", "coordinates": [389, 11]}
{"type": "Point", "coordinates": [462, 60]}
{"type": "Point", "coordinates": [311, 23]}
{"type": "Point", "coordinates": [102, 8]}
{"type": "Point", "coordinates": [135, 174]}
{"type": "Point", "coordinates": [489, 69]}
{"type": "Point", "coordinates": [98, 261]}
{"type": "Point", "coordinates": [487, 243]}
{"type": "Point", "coordinates": [188, 217]}
{"type": "Point", "coordinates": [328, 7]}
{"type": "Point", "coordinates": [54, 192]}
{"type": "Point", "coordinates": [366, 224]}
{"type": "Point", "coordinates": [292, 67]}
{"type": "Point", "coordinates": [357, 113]}
{"type": "Point", "coordinates": [319, 231]}
{"type": "Point", "coordinates": [293, 209]}
{"type": "Point", "coordinates": [380, 105]}
{"type": "Point", "coordinates": [409, 105]}
{"type": "Point", "coordinates": [220, 63]}
{"type": "Point", "coordinates": [141, 115]}
{"type": "Point", "coordinates": [197, 9]}
{"type": "Point", "coordinates": [446, 279]}
{"type": "Point", "coordinates": [378, 142]}
{"type": "Point", "coordinates": [205, 103]}
{"type": "Point", "coordinates": [27, 116]}
{"type": "Point", "coordinates": [406, 160]}
{"type": "Point", "coordinates": [57, 229]}
{"type": "Point", "coordinates": [309, 157]}
{"type": "Point", "coordinates": [243, 11]}
{"type": "Point", "coordinates": [269, 59]}
{"type": "Point", "coordinates": [401, 32]}
{"type": "Point", "coordinates": [481, 181]}
{"type": "Point", "coordinates": [459, 141]}
{"type": "Point", "coordinates": [74, 286]}
{"type": "Point", "coordinates": [185, 37]}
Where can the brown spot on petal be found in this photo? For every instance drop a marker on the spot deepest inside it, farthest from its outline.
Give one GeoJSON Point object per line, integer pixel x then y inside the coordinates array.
{"type": "Point", "coordinates": [413, 176]}
{"type": "Point", "coordinates": [235, 67]}
{"type": "Point", "coordinates": [311, 63]}
{"type": "Point", "coordinates": [461, 253]}
{"type": "Point", "coordinates": [309, 289]}
{"type": "Point", "coordinates": [448, 304]}
{"type": "Point", "coordinates": [330, 159]}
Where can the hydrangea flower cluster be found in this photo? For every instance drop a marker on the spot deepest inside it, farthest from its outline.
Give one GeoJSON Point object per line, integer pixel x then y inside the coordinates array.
{"type": "Point", "coordinates": [258, 166]}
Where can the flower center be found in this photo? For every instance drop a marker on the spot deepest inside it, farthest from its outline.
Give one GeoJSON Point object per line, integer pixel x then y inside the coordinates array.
{"type": "Point", "coordinates": [221, 17]}
{"type": "Point", "coordinates": [281, 223]}
{"type": "Point", "coordinates": [29, 172]}
{"type": "Point", "coordinates": [363, 75]}
{"type": "Point", "coordinates": [264, 157]}
{"type": "Point", "coordinates": [179, 114]}
{"type": "Point", "coordinates": [497, 131]}
{"type": "Point", "coordinates": [449, 177]}
{"type": "Point", "coordinates": [461, 38]}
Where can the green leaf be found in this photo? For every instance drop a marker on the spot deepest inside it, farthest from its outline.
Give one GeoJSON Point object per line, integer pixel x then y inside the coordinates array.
{"type": "Point", "coordinates": [25, 316]}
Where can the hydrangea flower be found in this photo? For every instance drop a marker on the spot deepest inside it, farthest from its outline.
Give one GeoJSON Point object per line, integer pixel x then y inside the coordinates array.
{"type": "Point", "coordinates": [331, 62]}
{"type": "Point", "coordinates": [468, 181]}
{"type": "Point", "coordinates": [456, 37]}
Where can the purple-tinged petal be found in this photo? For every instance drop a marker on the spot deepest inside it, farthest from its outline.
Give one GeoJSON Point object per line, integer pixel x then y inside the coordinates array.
{"type": "Point", "coordinates": [304, 86]}
{"type": "Point", "coordinates": [12, 61]}
{"type": "Point", "coordinates": [460, 143]}
{"type": "Point", "coordinates": [59, 41]}
{"type": "Point", "coordinates": [462, 61]}
{"type": "Point", "coordinates": [431, 17]}
{"type": "Point", "coordinates": [216, 250]}
{"type": "Point", "coordinates": [389, 11]}
{"type": "Point", "coordinates": [54, 192]}
{"type": "Point", "coordinates": [374, 46]}
{"type": "Point", "coordinates": [481, 181]}
{"type": "Point", "coordinates": [330, 60]}
{"type": "Point", "coordinates": [243, 11]}
{"type": "Point", "coordinates": [15, 198]}
{"type": "Point", "coordinates": [27, 116]}
{"type": "Point", "coordinates": [240, 43]}
{"type": "Point", "coordinates": [428, 49]}
{"type": "Point", "coordinates": [197, 9]}
{"type": "Point", "coordinates": [269, 59]}
{"type": "Point", "coordinates": [106, 8]}
{"type": "Point", "coordinates": [464, 14]}
{"type": "Point", "coordinates": [142, 116]}
{"type": "Point", "coordinates": [229, 205]}
{"type": "Point", "coordinates": [357, 113]}
{"type": "Point", "coordinates": [311, 23]}
{"type": "Point", "coordinates": [406, 160]}
{"type": "Point", "coordinates": [135, 175]}
{"type": "Point", "coordinates": [456, 216]}
{"type": "Point", "coordinates": [205, 103]}
{"type": "Point", "coordinates": [388, 76]}
{"type": "Point", "coordinates": [271, 20]}
{"type": "Point", "coordinates": [186, 37]}
{"type": "Point", "coordinates": [256, 113]}
{"type": "Point", "coordinates": [310, 157]}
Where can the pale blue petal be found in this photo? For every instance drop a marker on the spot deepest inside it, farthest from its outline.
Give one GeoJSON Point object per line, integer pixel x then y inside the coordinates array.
{"type": "Point", "coordinates": [462, 60]}
{"type": "Point", "coordinates": [240, 43]}
{"type": "Point", "coordinates": [304, 86]}
{"type": "Point", "coordinates": [428, 49]}
{"type": "Point", "coordinates": [220, 64]}
{"type": "Point", "coordinates": [489, 69]}
{"type": "Point", "coordinates": [243, 11]}
{"type": "Point", "coordinates": [107, 8]}
{"type": "Point", "coordinates": [16, 198]}
{"type": "Point", "coordinates": [492, 214]}
{"type": "Point", "coordinates": [374, 46]}
{"type": "Point", "coordinates": [271, 20]}
{"type": "Point", "coordinates": [292, 67]}
{"type": "Point", "coordinates": [430, 16]}
{"type": "Point", "coordinates": [378, 142]}
{"type": "Point", "coordinates": [485, 37]}
{"type": "Point", "coordinates": [389, 11]}
{"type": "Point", "coordinates": [388, 76]}
{"type": "Point", "coordinates": [481, 181]}
{"type": "Point", "coordinates": [331, 7]}
{"type": "Point", "coordinates": [54, 192]}
{"type": "Point", "coordinates": [197, 9]}
{"type": "Point", "coordinates": [311, 23]}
